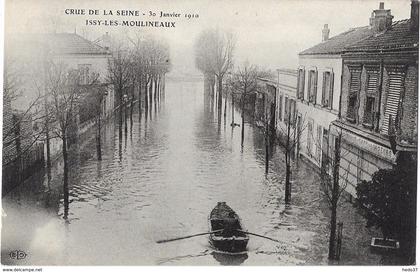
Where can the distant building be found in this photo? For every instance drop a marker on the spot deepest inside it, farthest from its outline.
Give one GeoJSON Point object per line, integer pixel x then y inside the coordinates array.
{"type": "Point", "coordinates": [379, 97]}
{"type": "Point", "coordinates": [286, 100]}
{"type": "Point", "coordinates": [30, 54]}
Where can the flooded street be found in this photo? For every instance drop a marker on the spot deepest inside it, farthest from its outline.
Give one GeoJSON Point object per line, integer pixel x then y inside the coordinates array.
{"type": "Point", "coordinates": [160, 181]}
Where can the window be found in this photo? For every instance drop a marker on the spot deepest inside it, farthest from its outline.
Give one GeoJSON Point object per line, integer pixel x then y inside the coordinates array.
{"type": "Point", "coordinates": [327, 89]}
{"type": "Point", "coordinates": [371, 98]}
{"type": "Point", "coordinates": [280, 107]}
{"type": "Point", "coordinates": [301, 84]}
{"type": "Point", "coordinates": [312, 86]}
{"type": "Point", "coordinates": [286, 109]}
{"type": "Point", "coordinates": [318, 143]}
{"type": "Point", "coordinates": [292, 109]}
{"type": "Point", "coordinates": [84, 70]}
{"type": "Point", "coordinates": [353, 97]}
{"type": "Point", "coordinates": [393, 100]}
{"type": "Point", "coordinates": [309, 137]}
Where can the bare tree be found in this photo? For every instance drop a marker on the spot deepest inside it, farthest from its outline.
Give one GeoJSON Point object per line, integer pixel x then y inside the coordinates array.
{"type": "Point", "coordinates": [13, 123]}
{"type": "Point", "coordinates": [214, 57]}
{"type": "Point", "coordinates": [94, 104]}
{"type": "Point", "coordinates": [65, 87]}
{"type": "Point", "coordinates": [120, 76]}
{"type": "Point", "coordinates": [332, 185]}
{"type": "Point", "coordinates": [289, 137]}
{"type": "Point", "coordinates": [243, 82]}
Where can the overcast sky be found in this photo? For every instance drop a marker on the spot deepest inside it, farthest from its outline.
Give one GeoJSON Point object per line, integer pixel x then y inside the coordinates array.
{"type": "Point", "coordinates": [269, 33]}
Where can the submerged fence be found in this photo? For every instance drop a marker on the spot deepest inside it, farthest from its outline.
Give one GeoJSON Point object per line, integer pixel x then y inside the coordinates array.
{"type": "Point", "coordinates": [22, 167]}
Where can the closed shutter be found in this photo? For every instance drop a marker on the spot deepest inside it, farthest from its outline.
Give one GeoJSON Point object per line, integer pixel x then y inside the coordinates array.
{"type": "Point", "coordinates": [280, 107]}
{"type": "Point", "coordinates": [355, 82]}
{"type": "Point", "coordinates": [315, 85]}
{"type": "Point", "coordinates": [372, 83]}
{"type": "Point", "coordinates": [302, 85]}
{"type": "Point", "coordinates": [330, 101]}
{"type": "Point", "coordinates": [393, 99]}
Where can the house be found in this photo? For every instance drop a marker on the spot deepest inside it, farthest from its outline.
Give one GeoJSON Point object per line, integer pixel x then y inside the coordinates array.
{"type": "Point", "coordinates": [379, 97]}
{"type": "Point", "coordinates": [31, 53]}
{"type": "Point", "coordinates": [285, 101]}
{"type": "Point", "coordinates": [318, 91]}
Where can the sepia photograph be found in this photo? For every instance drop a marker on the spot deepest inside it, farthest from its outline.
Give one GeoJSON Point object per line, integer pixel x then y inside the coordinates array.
{"type": "Point", "coordinates": [209, 133]}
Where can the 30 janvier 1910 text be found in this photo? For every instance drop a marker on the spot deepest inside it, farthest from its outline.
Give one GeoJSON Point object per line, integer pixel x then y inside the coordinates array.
{"type": "Point", "coordinates": [128, 13]}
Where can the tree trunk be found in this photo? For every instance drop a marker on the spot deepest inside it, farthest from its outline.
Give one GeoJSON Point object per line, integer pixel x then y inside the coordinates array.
{"type": "Point", "coordinates": [267, 150]}
{"type": "Point", "coordinates": [233, 111]}
{"type": "Point", "coordinates": [219, 98]}
{"type": "Point", "coordinates": [224, 112]}
{"type": "Point", "coordinates": [155, 87]}
{"type": "Point", "coordinates": [158, 88]}
{"type": "Point", "coordinates": [288, 194]}
{"type": "Point", "coordinates": [334, 198]}
{"type": "Point", "coordinates": [151, 93]}
{"type": "Point", "coordinates": [98, 138]}
{"type": "Point", "coordinates": [333, 227]}
{"type": "Point", "coordinates": [65, 176]}
{"type": "Point", "coordinates": [140, 82]}
{"type": "Point", "coordinates": [47, 139]}
{"type": "Point", "coordinates": [146, 99]}
{"type": "Point", "coordinates": [243, 121]}
{"type": "Point", "coordinates": [125, 118]}
{"type": "Point", "coordinates": [120, 121]}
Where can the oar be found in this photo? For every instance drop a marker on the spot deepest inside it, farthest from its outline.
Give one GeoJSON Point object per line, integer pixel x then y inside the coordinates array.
{"type": "Point", "coordinates": [262, 236]}
{"type": "Point", "coordinates": [283, 242]}
{"type": "Point", "coordinates": [185, 237]}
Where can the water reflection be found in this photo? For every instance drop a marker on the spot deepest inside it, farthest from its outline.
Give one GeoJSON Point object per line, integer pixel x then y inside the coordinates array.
{"type": "Point", "coordinates": [229, 259]}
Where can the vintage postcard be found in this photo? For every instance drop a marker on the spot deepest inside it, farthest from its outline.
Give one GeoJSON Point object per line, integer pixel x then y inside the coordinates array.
{"type": "Point", "coordinates": [209, 133]}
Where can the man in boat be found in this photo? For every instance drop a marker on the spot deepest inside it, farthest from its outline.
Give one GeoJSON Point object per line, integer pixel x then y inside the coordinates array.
{"type": "Point", "coordinates": [230, 225]}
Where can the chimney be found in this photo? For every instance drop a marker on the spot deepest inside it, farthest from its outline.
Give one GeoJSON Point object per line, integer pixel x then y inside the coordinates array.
{"type": "Point", "coordinates": [106, 41]}
{"type": "Point", "coordinates": [381, 19]}
{"type": "Point", "coordinates": [325, 33]}
{"type": "Point", "coordinates": [414, 18]}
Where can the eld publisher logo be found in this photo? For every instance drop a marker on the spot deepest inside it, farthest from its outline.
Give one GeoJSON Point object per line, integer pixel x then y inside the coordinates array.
{"type": "Point", "coordinates": [17, 254]}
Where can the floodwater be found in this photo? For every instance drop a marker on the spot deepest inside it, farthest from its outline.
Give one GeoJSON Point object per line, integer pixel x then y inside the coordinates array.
{"type": "Point", "coordinates": [160, 181]}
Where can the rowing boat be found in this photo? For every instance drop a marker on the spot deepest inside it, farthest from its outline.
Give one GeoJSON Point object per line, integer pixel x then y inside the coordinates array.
{"type": "Point", "coordinates": [232, 238]}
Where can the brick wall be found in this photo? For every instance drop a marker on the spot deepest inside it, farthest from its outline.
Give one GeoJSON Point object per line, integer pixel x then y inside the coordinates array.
{"type": "Point", "coordinates": [409, 107]}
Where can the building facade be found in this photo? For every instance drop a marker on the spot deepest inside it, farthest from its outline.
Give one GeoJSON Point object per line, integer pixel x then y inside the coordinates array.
{"type": "Point", "coordinates": [378, 108]}
{"type": "Point", "coordinates": [29, 55]}
{"type": "Point", "coordinates": [319, 78]}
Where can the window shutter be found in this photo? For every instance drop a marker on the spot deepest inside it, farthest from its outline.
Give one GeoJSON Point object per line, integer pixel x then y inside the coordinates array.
{"type": "Point", "coordinates": [331, 87]}
{"type": "Point", "coordinates": [315, 85]}
{"type": "Point", "coordinates": [298, 83]}
{"type": "Point", "coordinates": [355, 82]}
{"type": "Point", "coordinates": [280, 107]}
{"type": "Point", "coordinates": [324, 88]}
{"type": "Point", "coordinates": [393, 100]}
{"type": "Point", "coordinates": [303, 84]}
{"type": "Point", "coordinates": [372, 82]}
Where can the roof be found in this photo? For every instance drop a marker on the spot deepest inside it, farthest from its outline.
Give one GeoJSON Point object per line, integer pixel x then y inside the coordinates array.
{"type": "Point", "coordinates": [71, 43]}
{"type": "Point", "coordinates": [399, 36]}
{"type": "Point", "coordinates": [336, 44]}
